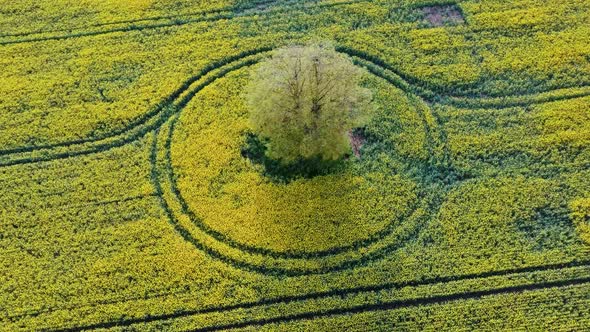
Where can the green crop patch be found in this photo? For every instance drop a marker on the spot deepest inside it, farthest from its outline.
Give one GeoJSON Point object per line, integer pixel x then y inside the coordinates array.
{"type": "Point", "coordinates": [135, 195]}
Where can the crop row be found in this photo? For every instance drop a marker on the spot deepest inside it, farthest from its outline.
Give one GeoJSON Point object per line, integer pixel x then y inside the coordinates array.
{"type": "Point", "coordinates": [110, 15]}
{"type": "Point", "coordinates": [167, 21]}
{"type": "Point", "coordinates": [358, 300]}
{"type": "Point", "coordinates": [142, 124]}
{"type": "Point", "coordinates": [412, 273]}
{"type": "Point", "coordinates": [138, 128]}
{"type": "Point", "coordinates": [120, 112]}
{"type": "Point", "coordinates": [116, 96]}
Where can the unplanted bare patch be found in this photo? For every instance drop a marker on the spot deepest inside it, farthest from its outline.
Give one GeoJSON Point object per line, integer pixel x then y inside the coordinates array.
{"type": "Point", "coordinates": [442, 15]}
{"type": "Point", "coordinates": [357, 140]}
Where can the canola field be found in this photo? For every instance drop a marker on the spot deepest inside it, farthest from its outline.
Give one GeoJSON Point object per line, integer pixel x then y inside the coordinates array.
{"type": "Point", "coordinates": [127, 202]}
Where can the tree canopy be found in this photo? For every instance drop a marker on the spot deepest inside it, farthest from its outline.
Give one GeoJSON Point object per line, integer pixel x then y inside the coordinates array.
{"type": "Point", "coordinates": [305, 100]}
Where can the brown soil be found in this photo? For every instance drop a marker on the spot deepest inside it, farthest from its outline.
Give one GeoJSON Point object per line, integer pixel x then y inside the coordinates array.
{"type": "Point", "coordinates": [356, 142]}
{"type": "Point", "coordinates": [443, 15]}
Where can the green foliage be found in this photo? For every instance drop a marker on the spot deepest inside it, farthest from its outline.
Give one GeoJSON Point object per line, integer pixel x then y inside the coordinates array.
{"type": "Point", "coordinates": [305, 100]}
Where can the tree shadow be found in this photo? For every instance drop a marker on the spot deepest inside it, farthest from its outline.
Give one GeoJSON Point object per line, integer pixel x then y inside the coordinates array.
{"type": "Point", "coordinates": [255, 151]}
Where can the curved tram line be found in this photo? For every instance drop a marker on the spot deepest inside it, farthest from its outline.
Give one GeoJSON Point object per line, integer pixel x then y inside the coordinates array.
{"type": "Point", "coordinates": [154, 119]}
{"type": "Point", "coordinates": [275, 270]}
{"type": "Point", "coordinates": [172, 178]}
{"type": "Point", "coordinates": [268, 253]}
{"type": "Point", "coordinates": [140, 126]}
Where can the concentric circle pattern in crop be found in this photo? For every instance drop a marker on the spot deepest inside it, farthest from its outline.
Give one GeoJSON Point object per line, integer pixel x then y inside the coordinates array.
{"type": "Point", "coordinates": [127, 201]}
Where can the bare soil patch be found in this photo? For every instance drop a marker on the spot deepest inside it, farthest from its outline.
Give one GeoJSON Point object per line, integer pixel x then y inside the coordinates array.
{"type": "Point", "coordinates": [357, 140]}
{"type": "Point", "coordinates": [442, 15]}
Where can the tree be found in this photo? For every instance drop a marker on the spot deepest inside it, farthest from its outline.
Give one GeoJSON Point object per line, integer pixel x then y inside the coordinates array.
{"type": "Point", "coordinates": [305, 100]}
